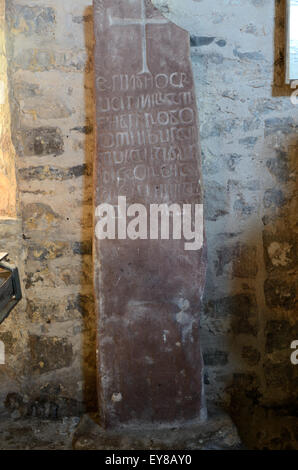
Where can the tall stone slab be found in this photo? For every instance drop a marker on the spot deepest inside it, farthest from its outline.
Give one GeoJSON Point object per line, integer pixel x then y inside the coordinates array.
{"type": "Point", "coordinates": [148, 291]}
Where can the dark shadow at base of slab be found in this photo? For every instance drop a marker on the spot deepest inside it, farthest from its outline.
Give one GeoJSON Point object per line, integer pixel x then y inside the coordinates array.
{"type": "Point", "coordinates": [217, 433]}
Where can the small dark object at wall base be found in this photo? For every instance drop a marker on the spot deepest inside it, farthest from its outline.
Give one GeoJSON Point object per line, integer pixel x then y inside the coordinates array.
{"type": "Point", "coordinates": [10, 289]}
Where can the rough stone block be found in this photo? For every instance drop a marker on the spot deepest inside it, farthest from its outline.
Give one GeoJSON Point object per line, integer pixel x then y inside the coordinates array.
{"type": "Point", "coordinates": [41, 60]}
{"type": "Point", "coordinates": [41, 141]}
{"type": "Point", "coordinates": [28, 20]}
{"type": "Point", "coordinates": [39, 217]}
{"type": "Point", "coordinates": [240, 311]}
{"type": "Point", "coordinates": [281, 293]}
{"type": "Point", "coordinates": [280, 250]}
{"type": "Point", "coordinates": [50, 404]}
{"type": "Point", "coordinates": [279, 335]}
{"type": "Point", "coordinates": [49, 250]}
{"type": "Point", "coordinates": [45, 107]}
{"type": "Point", "coordinates": [214, 358]}
{"type": "Point", "coordinates": [48, 172]}
{"type": "Point", "coordinates": [217, 206]}
{"type": "Point", "coordinates": [239, 260]}
{"type": "Point", "coordinates": [49, 353]}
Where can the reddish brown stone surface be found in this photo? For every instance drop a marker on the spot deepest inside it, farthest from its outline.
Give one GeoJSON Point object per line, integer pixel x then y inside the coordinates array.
{"type": "Point", "coordinates": [148, 291]}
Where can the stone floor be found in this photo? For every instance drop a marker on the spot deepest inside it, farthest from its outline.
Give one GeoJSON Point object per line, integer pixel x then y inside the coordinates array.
{"type": "Point", "coordinates": [36, 434]}
{"type": "Point", "coordinates": [85, 434]}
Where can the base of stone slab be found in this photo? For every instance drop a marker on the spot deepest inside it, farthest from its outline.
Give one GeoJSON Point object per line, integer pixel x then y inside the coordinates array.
{"type": "Point", "coordinates": [217, 433]}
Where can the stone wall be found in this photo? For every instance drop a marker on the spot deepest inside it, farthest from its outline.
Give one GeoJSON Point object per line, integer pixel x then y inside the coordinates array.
{"type": "Point", "coordinates": [249, 143]}
{"type": "Point", "coordinates": [50, 338]}
{"type": "Point", "coordinates": [250, 148]}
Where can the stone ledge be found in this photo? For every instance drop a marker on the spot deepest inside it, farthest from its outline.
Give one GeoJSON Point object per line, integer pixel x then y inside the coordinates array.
{"type": "Point", "coordinates": [217, 433]}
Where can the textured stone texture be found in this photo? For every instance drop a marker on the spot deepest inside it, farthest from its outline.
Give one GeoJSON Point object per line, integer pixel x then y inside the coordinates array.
{"type": "Point", "coordinates": [244, 112]}
{"type": "Point", "coordinates": [218, 433]}
{"type": "Point", "coordinates": [41, 141]}
{"type": "Point", "coordinates": [50, 337]}
{"type": "Point", "coordinates": [249, 144]}
{"type": "Point", "coordinates": [34, 434]}
{"type": "Point", "coordinates": [42, 432]}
